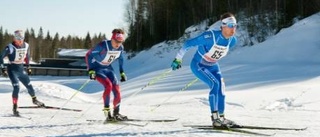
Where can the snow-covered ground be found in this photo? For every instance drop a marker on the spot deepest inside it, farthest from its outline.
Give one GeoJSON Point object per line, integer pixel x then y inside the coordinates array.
{"type": "Point", "coordinates": [275, 83]}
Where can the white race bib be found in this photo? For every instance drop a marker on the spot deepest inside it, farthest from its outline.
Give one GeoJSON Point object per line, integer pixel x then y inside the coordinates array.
{"type": "Point", "coordinates": [20, 55]}
{"type": "Point", "coordinates": [110, 57]}
{"type": "Point", "coordinates": [216, 53]}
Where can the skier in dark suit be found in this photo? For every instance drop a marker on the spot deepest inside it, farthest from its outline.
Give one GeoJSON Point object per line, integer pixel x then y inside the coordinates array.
{"type": "Point", "coordinates": [18, 57]}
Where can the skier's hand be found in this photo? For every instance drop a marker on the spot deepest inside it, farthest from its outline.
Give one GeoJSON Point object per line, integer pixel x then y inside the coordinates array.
{"type": "Point", "coordinates": [92, 74]}
{"type": "Point", "coordinates": [123, 77]}
{"type": "Point", "coordinates": [29, 71]}
{"type": "Point", "coordinates": [176, 64]}
{"type": "Point", "coordinates": [4, 72]}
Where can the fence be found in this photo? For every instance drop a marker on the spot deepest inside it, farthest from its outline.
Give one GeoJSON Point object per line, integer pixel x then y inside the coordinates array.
{"type": "Point", "coordinates": [53, 71]}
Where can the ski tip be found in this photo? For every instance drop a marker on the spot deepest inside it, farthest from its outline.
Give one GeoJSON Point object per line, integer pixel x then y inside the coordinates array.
{"type": "Point", "coordinates": [50, 107]}
{"type": "Point", "coordinates": [112, 122]}
{"type": "Point", "coordinates": [196, 126]}
{"type": "Point", "coordinates": [304, 128]}
{"type": "Point", "coordinates": [273, 134]}
{"type": "Point", "coordinates": [20, 116]}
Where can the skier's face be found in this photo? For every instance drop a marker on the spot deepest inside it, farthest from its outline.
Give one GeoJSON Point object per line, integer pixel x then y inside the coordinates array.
{"type": "Point", "coordinates": [228, 26]}
{"type": "Point", "coordinates": [228, 31]}
{"type": "Point", "coordinates": [18, 37]}
{"type": "Point", "coordinates": [18, 42]}
{"type": "Point", "coordinates": [116, 44]}
{"type": "Point", "coordinates": [117, 39]}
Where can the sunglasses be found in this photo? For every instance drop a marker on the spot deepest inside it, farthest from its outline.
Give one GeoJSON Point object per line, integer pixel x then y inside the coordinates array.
{"type": "Point", "coordinates": [19, 37]}
{"type": "Point", "coordinates": [230, 25]}
{"type": "Point", "coordinates": [119, 42]}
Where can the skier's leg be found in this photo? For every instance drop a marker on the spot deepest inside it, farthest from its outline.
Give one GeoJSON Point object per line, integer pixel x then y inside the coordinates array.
{"type": "Point", "coordinates": [207, 77]}
{"type": "Point", "coordinates": [117, 98]}
{"type": "Point", "coordinates": [15, 92]}
{"type": "Point", "coordinates": [25, 80]}
{"type": "Point", "coordinates": [106, 83]}
{"type": "Point", "coordinates": [15, 84]}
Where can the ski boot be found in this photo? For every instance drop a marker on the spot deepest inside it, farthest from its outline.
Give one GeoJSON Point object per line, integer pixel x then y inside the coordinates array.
{"type": "Point", "coordinates": [118, 117]}
{"type": "Point", "coordinates": [216, 122]}
{"type": "Point", "coordinates": [107, 113]}
{"type": "Point", "coordinates": [15, 111]}
{"type": "Point", "coordinates": [228, 122]}
{"type": "Point", "coordinates": [37, 102]}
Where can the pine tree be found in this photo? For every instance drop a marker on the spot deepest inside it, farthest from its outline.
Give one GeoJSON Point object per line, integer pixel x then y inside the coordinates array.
{"type": "Point", "coordinates": [87, 42]}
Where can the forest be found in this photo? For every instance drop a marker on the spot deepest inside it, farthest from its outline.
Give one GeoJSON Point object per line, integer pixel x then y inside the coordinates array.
{"type": "Point", "coordinates": [154, 21]}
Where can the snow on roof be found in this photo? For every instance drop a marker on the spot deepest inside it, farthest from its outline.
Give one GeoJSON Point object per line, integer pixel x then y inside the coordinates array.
{"type": "Point", "coordinates": [72, 52]}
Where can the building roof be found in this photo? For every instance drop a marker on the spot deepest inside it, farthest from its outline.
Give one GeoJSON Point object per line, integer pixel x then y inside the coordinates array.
{"type": "Point", "coordinates": [67, 53]}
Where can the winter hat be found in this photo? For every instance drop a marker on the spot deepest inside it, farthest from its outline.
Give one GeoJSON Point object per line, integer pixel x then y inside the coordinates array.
{"type": "Point", "coordinates": [229, 20]}
{"type": "Point", "coordinates": [18, 35]}
{"type": "Point", "coordinates": [118, 36]}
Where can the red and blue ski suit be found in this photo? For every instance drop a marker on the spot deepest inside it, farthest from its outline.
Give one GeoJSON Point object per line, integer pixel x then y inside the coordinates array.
{"type": "Point", "coordinates": [99, 59]}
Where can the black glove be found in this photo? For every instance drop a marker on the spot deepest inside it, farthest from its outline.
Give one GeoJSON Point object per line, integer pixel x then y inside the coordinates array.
{"type": "Point", "coordinates": [4, 72]}
{"type": "Point", "coordinates": [92, 74]}
{"type": "Point", "coordinates": [123, 77]}
{"type": "Point", "coordinates": [29, 71]}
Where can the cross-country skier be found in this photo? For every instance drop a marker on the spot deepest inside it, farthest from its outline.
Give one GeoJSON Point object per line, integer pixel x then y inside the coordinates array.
{"type": "Point", "coordinates": [99, 60]}
{"type": "Point", "coordinates": [212, 46]}
{"type": "Point", "coordinates": [18, 56]}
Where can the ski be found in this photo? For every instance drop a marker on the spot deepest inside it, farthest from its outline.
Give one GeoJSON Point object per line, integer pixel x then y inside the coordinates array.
{"type": "Point", "coordinates": [50, 107]}
{"type": "Point", "coordinates": [17, 116]}
{"type": "Point", "coordinates": [117, 122]}
{"type": "Point", "coordinates": [145, 120]}
{"type": "Point", "coordinates": [153, 120]}
{"type": "Point", "coordinates": [251, 127]}
{"type": "Point", "coordinates": [235, 130]}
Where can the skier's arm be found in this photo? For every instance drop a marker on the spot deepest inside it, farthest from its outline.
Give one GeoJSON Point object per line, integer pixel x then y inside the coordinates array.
{"type": "Point", "coordinates": [27, 59]}
{"type": "Point", "coordinates": [233, 43]}
{"type": "Point", "coordinates": [196, 41]}
{"type": "Point", "coordinates": [123, 76]}
{"type": "Point", "coordinates": [96, 52]}
{"type": "Point", "coordinates": [4, 53]}
{"type": "Point", "coordinates": [121, 62]}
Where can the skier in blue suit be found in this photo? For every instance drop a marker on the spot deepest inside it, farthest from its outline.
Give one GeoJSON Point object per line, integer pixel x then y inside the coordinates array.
{"type": "Point", "coordinates": [212, 46]}
{"type": "Point", "coordinates": [99, 60]}
{"type": "Point", "coordinates": [18, 55]}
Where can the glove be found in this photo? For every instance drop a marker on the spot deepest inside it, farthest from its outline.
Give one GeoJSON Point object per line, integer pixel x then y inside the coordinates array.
{"type": "Point", "coordinates": [4, 72]}
{"type": "Point", "coordinates": [123, 77]}
{"type": "Point", "coordinates": [29, 71]}
{"type": "Point", "coordinates": [92, 74]}
{"type": "Point", "coordinates": [176, 64]}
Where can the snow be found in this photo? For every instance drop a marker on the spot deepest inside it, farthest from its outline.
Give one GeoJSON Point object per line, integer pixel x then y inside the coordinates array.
{"type": "Point", "coordinates": [74, 52]}
{"type": "Point", "coordinates": [274, 83]}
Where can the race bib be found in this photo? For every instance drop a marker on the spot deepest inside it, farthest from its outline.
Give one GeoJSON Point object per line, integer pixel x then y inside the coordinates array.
{"type": "Point", "coordinates": [110, 57]}
{"type": "Point", "coordinates": [216, 53]}
{"type": "Point", "coordinates": [20, 55]}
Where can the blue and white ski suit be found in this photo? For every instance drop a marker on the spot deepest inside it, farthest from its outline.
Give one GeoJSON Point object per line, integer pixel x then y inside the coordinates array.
{"type": "Point", "coordinates": [212, 46]}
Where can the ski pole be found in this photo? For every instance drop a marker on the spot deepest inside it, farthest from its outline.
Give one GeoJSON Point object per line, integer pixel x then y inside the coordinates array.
{"type": "Point", "coordinates": [74, 94]}
{"type": "Point", "coordinates": [182, 89]}
{"type": "Point", "coordinates": [154, 80]}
